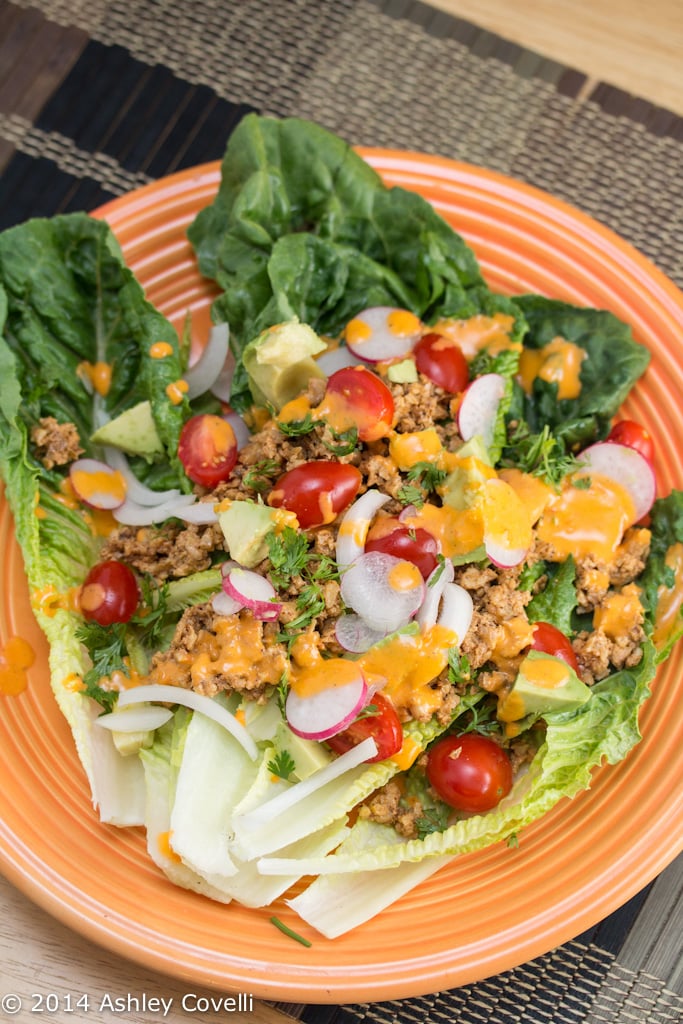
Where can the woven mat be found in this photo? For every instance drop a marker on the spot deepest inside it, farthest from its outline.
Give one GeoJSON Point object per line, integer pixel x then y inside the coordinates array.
{"type": "Point", "coordinates": [97, 98]}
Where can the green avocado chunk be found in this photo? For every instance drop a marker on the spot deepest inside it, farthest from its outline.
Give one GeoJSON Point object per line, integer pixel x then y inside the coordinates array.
{"type": "Point", "coordinates": [133, 432]}
{"type": "Point", "coordinates": [280, 362]}
{"type": "Point", "coordinates": [245, 526]}
{"type": "Point", "coordinates": [543, 684]}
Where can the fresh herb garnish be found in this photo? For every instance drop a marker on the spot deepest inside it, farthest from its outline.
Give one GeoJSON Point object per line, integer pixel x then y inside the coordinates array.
{"type": "Point", "coordinates": [427, 475]}
{"type": "Point", "coordinates": [289, 932]}
{"type": "Point", "coordinates": [282, 764]}
{"type": "Point", "coordinates": [346, 441]}
{"type": "Point", "coordinates": [408, 494]}
{"type": "Point", "coordinates": [433, 819]}
{"type": "Point", "coordinates": [296, 428]}
{"type": "Point", "coordinates": [258, 477]}
{"type": "Point", "coordinates": [106, 646]}
{"type": "Point", "coordinates": [459, 668]}
{"type": "Point", "coordinates": [288, 553]}
{"type": "Point", "coordinates": [540, 454]}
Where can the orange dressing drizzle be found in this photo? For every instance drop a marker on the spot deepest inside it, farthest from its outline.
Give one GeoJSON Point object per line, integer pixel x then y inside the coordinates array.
{"type": "Point", "coordinates": [479, 332]}
{"type": "Point", "coordinates": [669, 599]}
{"type": "Point", "coordinates": [89, 484]}
{"type": "Point", "coordinates": [619, 612]}
{"type": "Point", "coordinates": [160, 349]}
{"type": "Point", "coordinates": [587, 521]}
{"type": "Point", "coordinates": [405, 666]}
{"type": "Point", "coordinates": [176, 391]}
{"type": "Point", "coordinates": [49, 600]}
{"type": "Point", "coordinates": [99, 375]}
{"type": "Point", "coordinates": [165, 848]}
{"type": "Point", "coordinates": [403, 323]}
{"type": "Point", "coordinates": [557, 362]}
{"type": "Point", "coordinates": [16, 658]}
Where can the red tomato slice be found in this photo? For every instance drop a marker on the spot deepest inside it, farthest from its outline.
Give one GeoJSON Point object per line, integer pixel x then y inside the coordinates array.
{"type": "Point", "coordinates": [633, 435]}
{"type": "Point", "coordinates": [470, 772]}
{"type": "Point", "coordinates": [109, 593]}
{"type": "Point", "coordinates": [443, 362]}
{"type": "Point", "coordinates": [416, 546]}
{"type": "Point", "coordinates": [357, 397]}
{"type": "Point", "coordinates": [550, 640]}
{"type": "Point", "coordinates": [384, 727]}
{"type": "Point", "coordinates": [316, 492]}
{"type": "Point", "coordinates": [207, 449]}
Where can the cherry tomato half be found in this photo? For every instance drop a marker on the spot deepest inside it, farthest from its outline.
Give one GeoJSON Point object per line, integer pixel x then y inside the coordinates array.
{"type": "Point", "coordinates": [316, 492]}
{"type": "Point", "coordinates": [360, 398]}
{"type": "Point", "coordinates": [207, 449]}
{"type": "Point", "coordinates": [550, 640]}
{"type": "Point", "coordinates": [470, 772]}
{"type": "Point", "coordinates": [109, 593]}
{"type": "Point", "coordinates": [631, 434]}
{"type": "Point", "coordinates": [416, 546]}
{"type": "Point", "coordinates": [442, 361]}
{"type": "Point", "coordinates": [384, 727]}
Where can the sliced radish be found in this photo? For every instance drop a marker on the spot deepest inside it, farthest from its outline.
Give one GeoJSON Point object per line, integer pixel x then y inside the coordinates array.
{"type": "Point", "coordinates": [253, 591]}
{"type": "Point", "coordinates": [436, 582]}
{"type": "Point", "coordinates": [385, 591]}
{"type": "Point", "coordinates": [324, 714]}
{"type": "Point", "coordinates": [131, 513]}
{"type": "Point", "coordinates": [457, 610]}
{"type": "Point", "coordinates": [381, 333]}
{"type": "Point", "coordinates": [626, 467]}
{"type": "Point", "coordinates": [97, 485]}
{"type": "Point", "coordinates": [503, 557]}
{"type": "Point", "coordinates": [337, 359]}
{"type": "Point", "coordinates": [135, 490]}
{"type": "Point", "coordinates": [354, 634]}
{"type": "Point", "coordinates": [196, 702]}
{"type": "Point", "coordinates": [223, 604]}
{"type": "Point", "coordinates": [479, 407]}
{"type": "Point", "coordinates": [354, 526]}
{"type": "Point", "coordinates": [203, 374]}
{"type": "Point", "coordinates": [138, 718]}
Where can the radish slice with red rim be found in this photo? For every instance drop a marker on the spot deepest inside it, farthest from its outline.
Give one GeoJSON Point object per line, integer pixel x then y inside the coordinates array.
{"type": "Point", "coordinates": [323, 714]}
{"type": "Point", "coordinates": [382, 332]}
{"type": "Point", "coordinates": [203, 374]}
{"type": "Point", "coordinates": [354, 634]}
{"type": "Point", "coordinates": [254, 591]}
{"type": "Point", "coordinates": [436, 582]}
{"type": "Point", "coordinates": [503, 557]}
{"type": "Point", "coordinates": [224, 604]}
{"type": "Point", "coordinates": [385, 591]}
{"type": "Point", "coordinates": [626, 467]}
{"type": "Point", "coordinates": [354, 526]}
{"type": "Point", "coordinates": [97, 485]}
{"type": "Point", "coordinates": [337, 359]}
{"type": "Point", "coordinates": [457, 610]}
{"type": "Point", "coordinates": [478, 409]}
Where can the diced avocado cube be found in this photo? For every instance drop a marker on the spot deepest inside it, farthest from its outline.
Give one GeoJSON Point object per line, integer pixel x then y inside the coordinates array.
{"type": "Point", "coordinates": [404, 372]}
{"type": "Point", "coordinates": [308, 755]}
{"type": "Point", "coordinates": [280, 362]}
{"type": "Point", "coordinates": [129, 743]}
{"type": "Point", "coordinates": [133, 431]}
{"type": "Point", "coordinates": [245, 526]}
{"type": "Point", "coordinates": [543, 684]}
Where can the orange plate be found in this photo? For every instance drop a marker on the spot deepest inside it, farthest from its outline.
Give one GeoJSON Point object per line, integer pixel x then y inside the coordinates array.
{"type": "Point", "coordinates": [490, 911]}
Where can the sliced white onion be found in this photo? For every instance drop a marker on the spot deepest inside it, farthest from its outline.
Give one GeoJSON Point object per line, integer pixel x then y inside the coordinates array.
{"type": "Point", "coordinates": [137, 491]}
{"type": "Point", "coordinates": [354, 634]}
{"type": "Point", "coordinates": [97, 485]}
{"type": "Point", "coordinates": [327, 712]}
{"type": "Point", "coordinates": [368, 588]}
{"type": "Point", "coordinates": [131, 513]}
{"type": "Point", "coordinates": [239, 428]}
{"type": "Point", "coordinates": [253, 591]}
{"type": "Point", "coordinates": [337, 359]}
{"type": "Point", "coordinates": [436, 582]}
{"type": "Point", "coordinates": [354, 526]}
{"type": "Point", "coordinates": [456, 610]}
{"type": "Point", "coordinates": [478, 409]}
{"type": "Point", "coordinates": [202, 375]}
{"type": "Point", "coordinates": [382, 341]}
{"type": "Point", "coordinates": [289, 798]}
{"type": "Point", "coordinates": [223, 604]}
{"type": "Point", "coordinates": [222, 386]}
{"type": "Point", "coordinates": [137, 718]}
{"type": "Point", "coordinates": [196, 702]}
{"type": "Point", "coordinates": [202, 513]}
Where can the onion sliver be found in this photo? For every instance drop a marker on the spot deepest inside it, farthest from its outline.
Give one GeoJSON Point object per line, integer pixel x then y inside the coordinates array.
{"type": "Point", "coordinates": [354, 526]}
{"type": "Point", "coordinates": [98, 485]}
{"type": "Point", "coordinates": [239, 428]}
{"type": "Point", "coordinates": [133, 514]}
{"type": "Point", "coordinates": [284, 801]}
{"type": "Point", "coordinates": [196, 702]}
{"type": "Point", "coordinates": [354, 634]}
{"type": "Point", "coordinates": [337, 359]}
{"type": "Point", "coordinates": [202, 513]}
{"type": "Point", "coordinates": [429, 609]}
{"type": "Point", "coordinates": [136, 718]}
{"type": "Point", "coordinates": [382, 590]}
{"type": "Point", "coordinates": [388, 333]}
{"type": "Point", "coordinates": [327, 712]}
{"type": "Point", "coordinates": [201, 376]}
{"type": "Point", "coordinates": [253, 591]}
{"type": "Point", "coordinates": [456, 610]}
{"type": "Point", "coordinates": [136, 490]}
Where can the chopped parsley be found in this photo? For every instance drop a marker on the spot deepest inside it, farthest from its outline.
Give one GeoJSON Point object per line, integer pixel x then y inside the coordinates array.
{"type": "Point", "coordinates": [282, 764]}
{"type": "Point", "coordinates": [296, 428]}
{"type": "Point", "coordinates": [541, 454]}
{"type": "Point", "coordinates": [259, 476]}
{"type": "Point", "coordinates": [346, 441]}
{"type": "Point", "coordinates": [427, 475]}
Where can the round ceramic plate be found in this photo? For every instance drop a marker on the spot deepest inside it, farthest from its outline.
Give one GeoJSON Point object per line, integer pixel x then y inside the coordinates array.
{"type": "Point", "coordinates": [490, 910]}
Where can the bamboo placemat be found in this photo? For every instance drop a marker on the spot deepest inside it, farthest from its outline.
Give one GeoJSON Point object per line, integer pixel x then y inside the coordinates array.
{"type": "Point", "coordinates": [97, 98]}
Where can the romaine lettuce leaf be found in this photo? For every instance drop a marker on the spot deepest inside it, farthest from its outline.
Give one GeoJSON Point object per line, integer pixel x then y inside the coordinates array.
{"type": "Point", "coordinates": [660, 574]}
